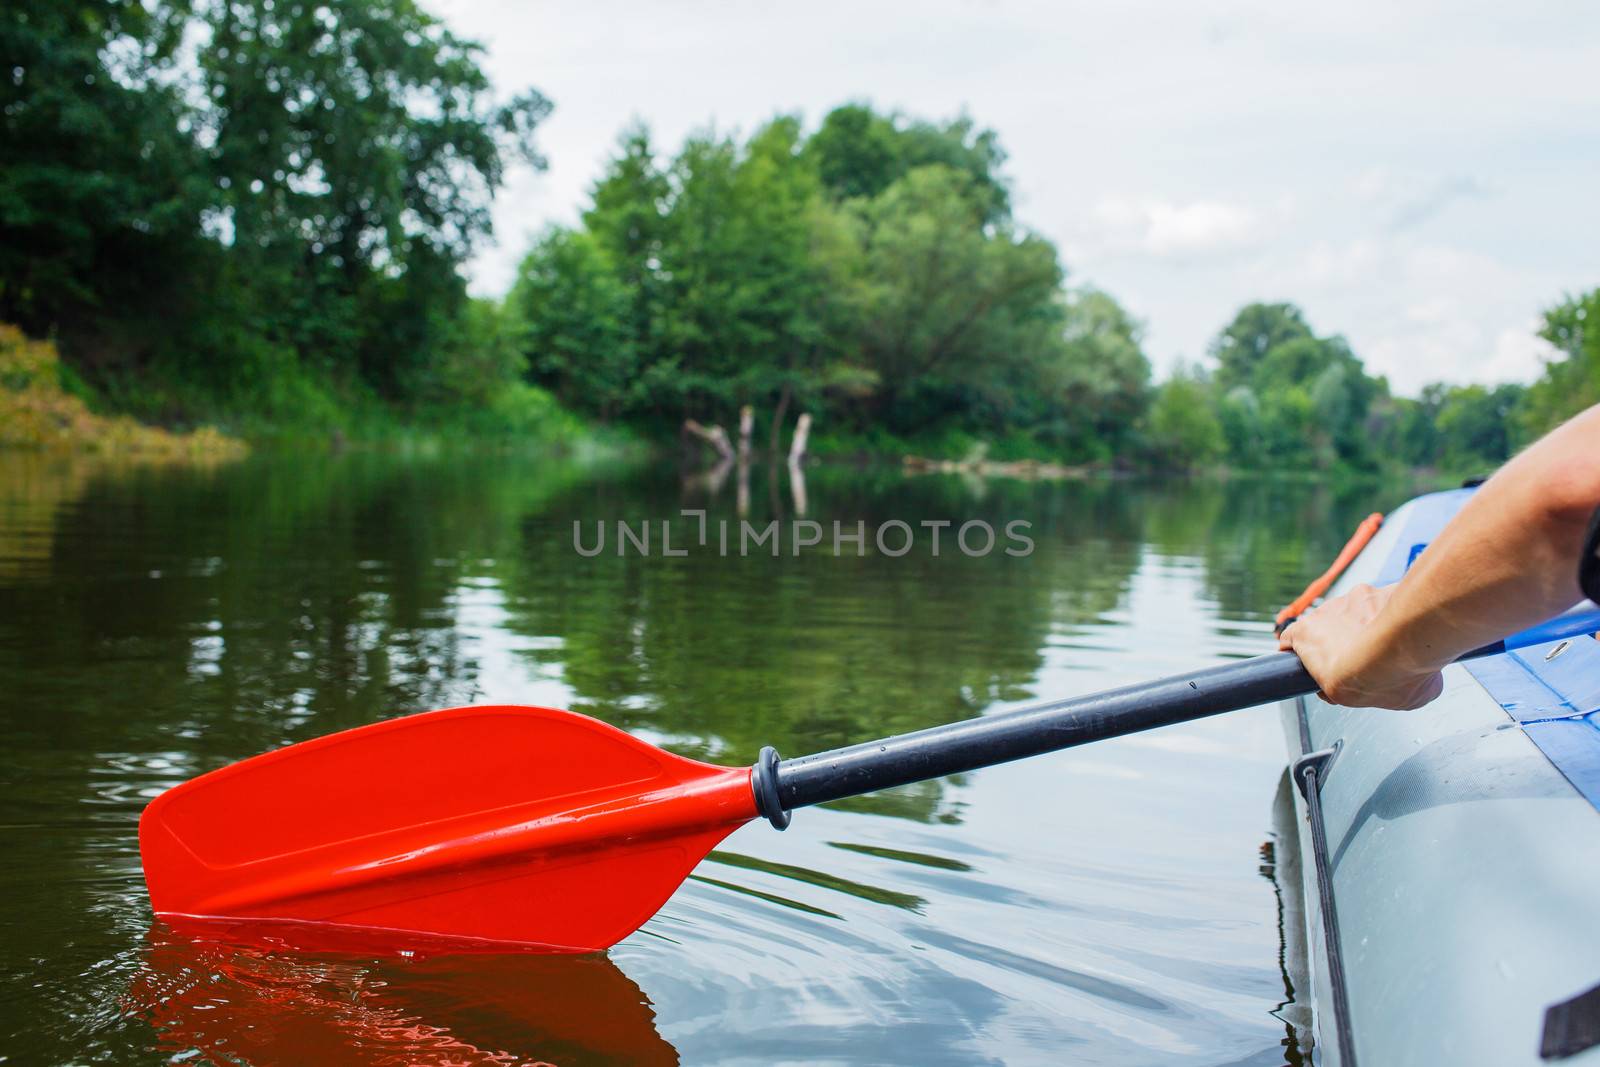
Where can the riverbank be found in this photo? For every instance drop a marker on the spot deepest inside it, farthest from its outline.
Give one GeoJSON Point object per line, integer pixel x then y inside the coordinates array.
{"type": "Point", "coordinates": [43, 407]}
{"type": "Point", "coordinates": [1024, 460]}
{"type": "Point", "coordinates": [46, 405]}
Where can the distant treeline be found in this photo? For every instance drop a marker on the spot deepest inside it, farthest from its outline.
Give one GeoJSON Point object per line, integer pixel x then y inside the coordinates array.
{"type": "Point", "coordinates": [1278, 396]}
{"type": "Point", "coordinates": [257, 211]}
{"type": "Point", "coordinates": [871, 272]}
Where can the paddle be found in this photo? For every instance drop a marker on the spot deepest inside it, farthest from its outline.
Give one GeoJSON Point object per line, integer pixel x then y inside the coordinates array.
{"type": "Point", "coordinates": [516, 828]}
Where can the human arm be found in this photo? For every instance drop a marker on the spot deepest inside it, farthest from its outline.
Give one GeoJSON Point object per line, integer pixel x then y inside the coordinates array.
{"type": "Point", "coordinates": [1508, 560]}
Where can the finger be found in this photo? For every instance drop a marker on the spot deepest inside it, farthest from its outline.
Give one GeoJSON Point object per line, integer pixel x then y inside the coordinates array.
{"type": "Point", "coordinates": [1287, 635]}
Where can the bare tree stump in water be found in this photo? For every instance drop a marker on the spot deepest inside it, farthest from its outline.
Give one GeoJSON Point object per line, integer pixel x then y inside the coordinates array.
{"type": "Point", "coordinates": [747, 424]}
{"type": "Point", "coordinates": [777, 419]}
{"type": "Point", "coordinates": [715, 436]}
{"type": "Point", "coordinates": [708, 481]}
{"type": "Point", "coordinates": [797, 488]}
{"type": "Point", "coordinates": [802, 432]}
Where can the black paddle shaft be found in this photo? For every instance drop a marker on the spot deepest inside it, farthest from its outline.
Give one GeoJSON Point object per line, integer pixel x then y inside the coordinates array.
{"type": "Point", "coordinates": [1013, 735]}
{"type": "Point", "coordinates": [781, 785]}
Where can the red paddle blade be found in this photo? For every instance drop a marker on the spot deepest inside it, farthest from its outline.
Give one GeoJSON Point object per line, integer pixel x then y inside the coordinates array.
{"type": "Point", "coordinates": [492, 828]}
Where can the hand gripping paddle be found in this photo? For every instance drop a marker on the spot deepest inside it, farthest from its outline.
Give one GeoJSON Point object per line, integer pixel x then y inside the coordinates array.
{"type": "Point", "coordinates": [516, 828]}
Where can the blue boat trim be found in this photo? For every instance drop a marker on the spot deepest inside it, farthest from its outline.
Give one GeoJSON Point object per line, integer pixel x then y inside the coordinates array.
{"type": "Point", "coordinates": [1526, 697]}
{"type": "Point", "coordinates": [1554, 697]}
{"type": "Point", "coordinates": [1426, 516]}
{"type": "Point", "coordinates": [1556, 701]}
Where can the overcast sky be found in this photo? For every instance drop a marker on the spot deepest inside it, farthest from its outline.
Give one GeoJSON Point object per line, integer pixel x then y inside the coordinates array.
{"type": "Point", "coordinates": [1423, 178]}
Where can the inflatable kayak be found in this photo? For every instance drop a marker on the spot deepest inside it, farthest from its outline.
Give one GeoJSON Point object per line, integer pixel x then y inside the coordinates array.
{"type": "Point", "coordinates": [1448, 859]}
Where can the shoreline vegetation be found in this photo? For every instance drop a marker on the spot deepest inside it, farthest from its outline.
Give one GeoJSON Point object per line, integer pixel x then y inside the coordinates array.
{"type": "Point", "coordinates": [38, 412]}
{"type": "Point", "coordinates": [255, 217]}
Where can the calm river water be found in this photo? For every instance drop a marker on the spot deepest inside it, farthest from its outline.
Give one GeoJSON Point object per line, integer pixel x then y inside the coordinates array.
{"type": "Point", "coordinates": [1110, 905]}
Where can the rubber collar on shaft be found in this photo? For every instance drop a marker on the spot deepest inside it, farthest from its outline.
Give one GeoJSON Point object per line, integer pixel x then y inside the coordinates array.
{"type": "Point", "coordinates": [764, 784]}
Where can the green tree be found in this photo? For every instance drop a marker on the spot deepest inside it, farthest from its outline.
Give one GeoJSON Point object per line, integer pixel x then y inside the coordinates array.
{"type": "Point", "coordinates": [710, 325]}
{"type": "Point", "coordinates": [571, 322]}
{"type": "Point", "coordinates": [775, 192]}
{"type": "Point", "coordinates": [857, 152]}
{"type": "Point", "coordinates": [1110, 373]}
{"type": "Point", "coordinates": [98, 183]}
{"type": "Point", "coordinates": [627, 217]}
{"type": "Point", "coordinates": [481, 354]}
{"type": "Point", "coordinates": [860, 153]}
{"type": "Point", "coordinates": [1239, 414]}
{"type": "Point", "coordinates": [1183, 430]}
{"type": "Point", "coordinates": [1475, 427]}
{"type": "Point", "coordinates": [290, 201]}
{"type": "Point", "coordinates": [742, 291]}
{"type": "Point", "coordinates": [1571, 381]}
{"type": "Point", "coordinates": [354, 149]}
{"type": "Point", "coordinates": [869, 272]}
{"type": "Point", "coordinates": [1257, 329]}
{"type": "Point", "coordinates": [832, 273]}
{"type": "Point", "coordinates": [1092, 388]}
{"type": "Point", "coordinates": [1288, 398]}
{"type": "Point", "coordinates": [1404, 428]}
{"type": "Point", "coordinates": [946, 303]}
{"type": "Point", "coordinates": [1291, 437]}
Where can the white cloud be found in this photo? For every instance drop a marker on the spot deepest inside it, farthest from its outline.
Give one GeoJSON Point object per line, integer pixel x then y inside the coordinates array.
{"type": "Point", "coordinates": [1186, 158]}
{"type": "Point", "coordinates": [1403, 199]}
{"type": "Point", "coordinates": [1328, 263]}
{"type": "Point", "coordinates": [1519, 355]}
{"type": "Point", "coordinates": [1420, 312]}
{"type": "Point", "coordinates": [1165, 229]}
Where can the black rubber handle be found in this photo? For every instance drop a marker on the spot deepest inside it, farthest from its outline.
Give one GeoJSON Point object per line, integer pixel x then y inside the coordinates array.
{"type": "Point", "coordinates": [1013, 735]}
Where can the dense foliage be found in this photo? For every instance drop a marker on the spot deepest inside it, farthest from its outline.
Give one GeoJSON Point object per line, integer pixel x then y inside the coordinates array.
{"type": "Point", "coordinates": [40, 412]}
{"type": "Point", "coordinates": [1278, 396]}
{"type": "Point", "coordinates": [252, 200]}
{"type": "Point", "coordinates": [870, 271]}
{"type": "Point", "coordinates": [1571, 382]}
{"type": "Point", "coordinates": [259, 209]}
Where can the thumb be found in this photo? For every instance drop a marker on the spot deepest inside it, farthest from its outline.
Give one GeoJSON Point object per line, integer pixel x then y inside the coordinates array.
{"type": "Point", "coordinates": [1428, 693]}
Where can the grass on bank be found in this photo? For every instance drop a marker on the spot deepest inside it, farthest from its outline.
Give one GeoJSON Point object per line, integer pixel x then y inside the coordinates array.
{"type": "Point", "coordinates": [45, 404]}
{"type": "Point", "coordinates": [42, 406]}
{"type": "Point", "coordinates": [294, 408]}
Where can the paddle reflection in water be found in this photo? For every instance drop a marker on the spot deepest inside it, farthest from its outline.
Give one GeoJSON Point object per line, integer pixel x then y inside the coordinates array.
{"type": "Point", "coordinates": [235, 1002]}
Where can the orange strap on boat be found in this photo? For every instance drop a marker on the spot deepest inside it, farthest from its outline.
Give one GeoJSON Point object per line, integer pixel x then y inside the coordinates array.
{"type": "Point", "coordinates": [1352, 548]}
